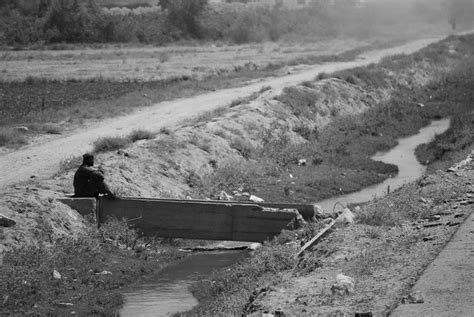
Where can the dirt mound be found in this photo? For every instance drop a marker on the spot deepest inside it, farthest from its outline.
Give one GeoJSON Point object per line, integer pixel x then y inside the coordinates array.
{"type": "Point", "coordinates": [39, 217]}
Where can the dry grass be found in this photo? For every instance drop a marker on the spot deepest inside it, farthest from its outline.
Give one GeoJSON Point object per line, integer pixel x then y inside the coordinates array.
{"type": "Point", "coordinates": [155, 63]}
{"type": "Point", "coordinates": [141, 134]}
{"type": "Point", "coordinates": [12, 138]}
{"type": "Point", "coordinates": [112, 143]}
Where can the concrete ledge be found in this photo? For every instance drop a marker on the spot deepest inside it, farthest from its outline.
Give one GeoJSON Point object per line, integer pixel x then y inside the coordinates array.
{"type": "Point", "coordinates": [190, 219]}
{"type": "Point", "coordinates": [305, 210]}
{"type": "Point", "coordinates": [84, 206]}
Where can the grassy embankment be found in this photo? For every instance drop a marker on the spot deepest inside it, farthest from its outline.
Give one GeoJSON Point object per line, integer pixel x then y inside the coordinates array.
{"type": "Point", "coordinates": [338, 155]}
{"type": "Point", "coordinates": [92, 268]}
{"type": "Point", "coordinates": [348, 141]}
{"type": "Point", "coordinates": [453, 145]}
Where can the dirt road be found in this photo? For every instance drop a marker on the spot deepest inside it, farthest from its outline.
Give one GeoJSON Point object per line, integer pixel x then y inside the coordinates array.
{"type": "Point", "coordinates": [42, 159]}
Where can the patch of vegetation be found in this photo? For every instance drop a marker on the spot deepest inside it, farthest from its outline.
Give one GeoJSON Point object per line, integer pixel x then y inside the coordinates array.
{"type": "Point", "coordinates": [141, 134]}
{"type": "Point", "coordinates": [112, 143]}
{"type": "Point", "coordinates": [301, 102]}
{"type": "Point", "coordinates": [245, 148]}
{"type": "Point", "coordinates": [69, 164]}
{"type": "Point", "coordinates": [406, 204]}
{"type": "Point", "coordinates": [107, 144]}
{"type": "Point", "coordinates": [458, 137]}
{"type": "Point", "coordinates": [371, 76]}
{"type": "Point", "coordinates": [241, 280]}
{"type": "Point", "coordinates": [90, 271]}
{"type": "Point", "coordinates": [12, 138]}
{"type": "Point", "coordinates": [321, 59]}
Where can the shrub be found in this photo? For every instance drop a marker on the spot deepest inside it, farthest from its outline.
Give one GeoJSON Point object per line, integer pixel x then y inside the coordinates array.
{"type": "Point", "coordinates": [300, 101]}
{"type": "Point", "coordinates": [68, 164]}
{"type": "Point", "coordinates": [163, 56]}
{"type": "Point", "coordinates": [107, 144]}
{"type": "Point", "coordinates": [52, 129]}
{"type": "Point", "coordinates": [119, 232]}
{"type": "Point", "coordinates": [245, 148]}
{"type": "Point", "coordinates": [12, 138]}
{"type": "Point", "coordinates": [307, 83]}
{"type": "Point", "coordinates": [322, 76]}
{"type": "Point", "coordinates": [306, 131]}
{"type": "Point", "coordinates": [140, 134]}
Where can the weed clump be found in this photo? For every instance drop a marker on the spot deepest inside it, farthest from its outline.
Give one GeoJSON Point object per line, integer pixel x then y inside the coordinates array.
{"type": "Point", "coordinates": [107, 144]}
{"type": "Point", "coordinates": [141, 134]}
{"type": "Point", "coordinates": [300, 101]}
{"type": "Point", "coordinates": [12, 138]}
{"type": "Point", "coordinates": [245, 148]}
{"type": "Point", "coordinates": [89, 271]}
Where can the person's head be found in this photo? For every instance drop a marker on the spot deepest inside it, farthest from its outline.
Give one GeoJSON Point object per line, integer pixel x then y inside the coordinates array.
{"type": "Point", "coordinates": [88, 159]}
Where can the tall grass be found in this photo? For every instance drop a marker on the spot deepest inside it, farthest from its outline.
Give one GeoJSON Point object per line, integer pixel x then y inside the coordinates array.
{"type": "Point", "coordinates": [107, 144]}
{"type": "Point", "coordinates": [12, 138]}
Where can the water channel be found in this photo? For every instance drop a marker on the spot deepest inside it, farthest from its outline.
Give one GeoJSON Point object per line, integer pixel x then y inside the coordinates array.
{"type": "Point", "coordinates": [168, 292]}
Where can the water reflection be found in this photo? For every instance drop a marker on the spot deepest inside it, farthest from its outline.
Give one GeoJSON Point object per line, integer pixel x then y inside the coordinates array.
{"type": "Point", "coordinates": [168, 293]}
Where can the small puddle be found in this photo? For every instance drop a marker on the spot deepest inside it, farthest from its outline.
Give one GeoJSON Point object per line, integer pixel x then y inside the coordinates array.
{"type": "Point", "coordinates": [168, 293]}
{"type": "Point", "coordinates": [402, 155]}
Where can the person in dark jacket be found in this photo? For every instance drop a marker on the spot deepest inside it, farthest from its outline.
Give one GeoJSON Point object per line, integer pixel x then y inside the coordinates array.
{"type": "Point", "coordinates": [88, 181]}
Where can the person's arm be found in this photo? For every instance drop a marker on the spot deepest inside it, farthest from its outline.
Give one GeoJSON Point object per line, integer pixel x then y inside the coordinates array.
{"type": "Point", "coordinates": [93, 173]}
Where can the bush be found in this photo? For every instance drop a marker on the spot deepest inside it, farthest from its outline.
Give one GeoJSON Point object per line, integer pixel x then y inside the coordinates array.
{"type": "Point", "coordinates": [12, 138]}
{"type": "Point", "coordinates": [245, 148]}
{"type": "Point", "coordinates": [107, 144]}
{"type": "Point", "coordinates": [69, 164]}
{"type": "Point", "coordinates": [140, 134]}
{"type": "Point", "coordinates": [300, 101]}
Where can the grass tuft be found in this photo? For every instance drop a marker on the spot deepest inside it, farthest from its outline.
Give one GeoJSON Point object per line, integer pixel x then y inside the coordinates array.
{"type": "Point", "coordinates": [140, 134]}
{"type": "Point", "coordinates": [107, 144]}
{"type": "Point", "coordinates": [12, 138]}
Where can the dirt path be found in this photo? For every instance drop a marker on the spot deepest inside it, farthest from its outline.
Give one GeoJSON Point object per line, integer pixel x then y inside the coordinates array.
{"type": "Point", "coordinates": [447, 285]}
{"type": "Point", "coordinates": [42, 159]}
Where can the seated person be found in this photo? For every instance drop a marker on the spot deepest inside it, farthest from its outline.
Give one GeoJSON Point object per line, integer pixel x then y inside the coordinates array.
{"type": "Point", "coordinates": [88, 181]}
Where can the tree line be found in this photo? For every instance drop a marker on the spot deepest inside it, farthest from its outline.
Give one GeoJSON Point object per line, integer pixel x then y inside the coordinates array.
{"type": "Point", "coordinates": [24, 22]}
{"type": "Point", "coordinates": [32, 22]}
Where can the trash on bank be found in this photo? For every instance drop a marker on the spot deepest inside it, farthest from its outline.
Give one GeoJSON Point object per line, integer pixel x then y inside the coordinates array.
{"type": "Point", "coordinates": [344, 285]}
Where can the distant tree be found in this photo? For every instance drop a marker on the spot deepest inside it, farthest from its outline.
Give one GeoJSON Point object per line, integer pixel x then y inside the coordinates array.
{"type": "Point", "coordinates": [459, 10]}
{"type": "Point", "coordinates": [183, 15]}
{"type": "Point", "coordinates": [73, 21]}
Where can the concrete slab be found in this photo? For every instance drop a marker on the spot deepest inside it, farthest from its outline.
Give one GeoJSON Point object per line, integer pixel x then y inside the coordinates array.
{"type": "Point", "coordinates": [305, 210]}
{"type": "Point", "coordinates": [197, 219]}
{"type": "Point", "coordinates": [447, 285]}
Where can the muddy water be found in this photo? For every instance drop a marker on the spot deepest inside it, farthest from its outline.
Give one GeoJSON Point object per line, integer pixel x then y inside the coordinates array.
{"type": "Point", "coordinates": [168, 292]}
{"type": "Point", "coordinates": [403, 155]}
